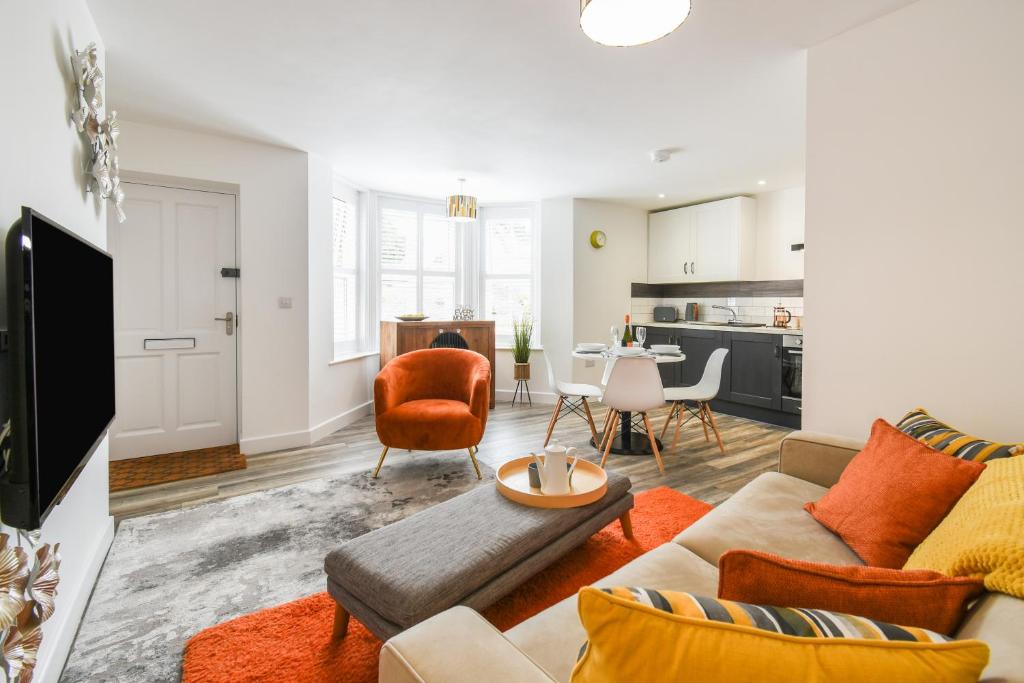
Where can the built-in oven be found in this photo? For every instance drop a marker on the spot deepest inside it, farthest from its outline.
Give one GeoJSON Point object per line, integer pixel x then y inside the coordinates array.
{"type": "Point", "coordinates": [792, 373]}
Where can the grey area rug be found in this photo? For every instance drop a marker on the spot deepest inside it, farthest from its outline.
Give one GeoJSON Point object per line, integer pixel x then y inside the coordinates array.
{"type": "Point", "coordinates": [172, 574]}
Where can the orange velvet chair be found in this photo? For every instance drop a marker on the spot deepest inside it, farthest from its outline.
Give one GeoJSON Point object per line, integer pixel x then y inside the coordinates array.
{"type": "Point", "coordinates": [433, 400]}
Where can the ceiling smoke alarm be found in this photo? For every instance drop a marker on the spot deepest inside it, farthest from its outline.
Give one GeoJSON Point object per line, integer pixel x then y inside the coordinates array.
{"type": "Point", "coordinates": [660, 156]}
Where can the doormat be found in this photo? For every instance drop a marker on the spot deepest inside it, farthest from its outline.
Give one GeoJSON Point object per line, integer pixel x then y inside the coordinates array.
{"type": "Point", "coordinates": [161, 469]}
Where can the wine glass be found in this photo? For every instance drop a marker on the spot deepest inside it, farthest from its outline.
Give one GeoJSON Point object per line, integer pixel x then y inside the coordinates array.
{"type": "Point", "coordinates": [641, 335]}
{"type": "Point", "coordinates": [615, 336]}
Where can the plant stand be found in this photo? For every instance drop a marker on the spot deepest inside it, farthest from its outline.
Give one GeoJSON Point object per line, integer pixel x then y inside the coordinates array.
{"type": "Point", "coordinates": [522, 389]}
{"type": "Point", "coordinates": [521, 374]}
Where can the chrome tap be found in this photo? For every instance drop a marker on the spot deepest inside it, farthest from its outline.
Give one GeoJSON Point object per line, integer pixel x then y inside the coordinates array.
{"type": "Point", "coordinates": [732, 312]}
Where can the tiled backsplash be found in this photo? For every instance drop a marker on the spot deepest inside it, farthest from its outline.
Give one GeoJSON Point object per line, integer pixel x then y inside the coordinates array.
{"type": "Point", "coordinates": [756, 309]}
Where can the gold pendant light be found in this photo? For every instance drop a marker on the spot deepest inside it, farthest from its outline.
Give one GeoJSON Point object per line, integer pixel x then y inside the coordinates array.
{"type": "Point", "coordinates": [625, 23]}
{"type": "Point", "coordinates": [461, 207]}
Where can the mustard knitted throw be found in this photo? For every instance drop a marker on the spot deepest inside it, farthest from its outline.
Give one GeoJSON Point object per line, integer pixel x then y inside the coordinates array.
{"type": "Point", "coordinates": [983, 535]}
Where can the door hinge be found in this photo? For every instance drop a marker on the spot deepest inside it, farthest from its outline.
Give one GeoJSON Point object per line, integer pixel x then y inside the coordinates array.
{"type": "Point", "coordinates": [231, 272]}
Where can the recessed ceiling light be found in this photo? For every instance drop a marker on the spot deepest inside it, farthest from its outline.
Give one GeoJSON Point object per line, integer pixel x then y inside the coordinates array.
{"type": "Point", "coordinates": [624, 23]}
{"type": "Point", "coordinates": [762, 182]}
{"type": "Point", "coordinates": [661, 195]}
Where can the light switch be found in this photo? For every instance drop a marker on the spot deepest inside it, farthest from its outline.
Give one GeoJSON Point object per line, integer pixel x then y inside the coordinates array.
{"type": "Point", "coordinates": [284, 302]}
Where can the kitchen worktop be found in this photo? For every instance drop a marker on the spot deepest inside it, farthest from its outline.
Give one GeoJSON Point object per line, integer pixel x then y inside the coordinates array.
{"type": "Point", "coordinates": [722, 326]}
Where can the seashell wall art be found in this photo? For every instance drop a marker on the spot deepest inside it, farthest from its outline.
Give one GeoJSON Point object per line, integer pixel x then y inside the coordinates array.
{"type": "Point", "coordinates": [101, 131]}
{"type": "Point", "coordinates": [27, 592]}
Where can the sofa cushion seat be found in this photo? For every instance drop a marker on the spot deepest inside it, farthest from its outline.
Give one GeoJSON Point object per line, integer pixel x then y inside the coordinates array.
{"type": "Point", "coordinates": [996, 619]}
{"type": "Point", "coordinates": [767, 514]}
{"type": "Point", "coordinates": [430, 424]}
{"type": "Point", "coordinates": [553, 638]}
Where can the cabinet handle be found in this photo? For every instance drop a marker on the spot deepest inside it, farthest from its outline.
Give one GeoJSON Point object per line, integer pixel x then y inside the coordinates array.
{"type": "Point", "coordinates": [693, 268]}
{"type": "Point", "coordinates": [685, 272]}
{"type": "Point", "coordinates": [776, 351]}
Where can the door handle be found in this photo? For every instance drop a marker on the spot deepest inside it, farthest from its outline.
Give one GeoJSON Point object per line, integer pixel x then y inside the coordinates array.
{"type": "Point", "coordinates": [229, 322]}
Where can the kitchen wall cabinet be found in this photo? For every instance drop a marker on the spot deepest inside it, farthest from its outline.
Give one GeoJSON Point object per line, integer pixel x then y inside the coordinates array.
{"type": "Point", "coordinates": [709, 242]}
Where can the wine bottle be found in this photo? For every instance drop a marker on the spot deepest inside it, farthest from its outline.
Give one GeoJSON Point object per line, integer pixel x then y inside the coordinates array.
{"type": "Point", "coordinates": [627, 335]}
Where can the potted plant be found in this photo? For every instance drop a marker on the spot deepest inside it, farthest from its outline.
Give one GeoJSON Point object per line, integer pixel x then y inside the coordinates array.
{"type": "Point", "coordinates": [522, 334]}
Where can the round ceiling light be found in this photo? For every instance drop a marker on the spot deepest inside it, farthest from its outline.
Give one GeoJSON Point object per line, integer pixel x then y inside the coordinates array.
{"type": "Point", "coordinates": [624, 23]}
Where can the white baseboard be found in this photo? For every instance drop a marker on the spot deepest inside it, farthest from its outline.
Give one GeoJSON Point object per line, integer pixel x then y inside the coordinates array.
{"type": "Point", "coordinates": [276, 442]}
{"type": "Point", "coordinates": [542, 397]}
{"type": "Point", "coordinates": [58, 645]}
{"type": "Point", "coordinates": [333, 424]}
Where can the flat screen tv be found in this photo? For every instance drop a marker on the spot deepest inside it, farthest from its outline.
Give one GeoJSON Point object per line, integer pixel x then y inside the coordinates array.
{"type": "Point", "coordinates": [60, 389]}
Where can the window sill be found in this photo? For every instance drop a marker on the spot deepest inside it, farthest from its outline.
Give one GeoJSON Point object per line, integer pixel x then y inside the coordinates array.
{"type": "Point", "coordinates": [353, 356]}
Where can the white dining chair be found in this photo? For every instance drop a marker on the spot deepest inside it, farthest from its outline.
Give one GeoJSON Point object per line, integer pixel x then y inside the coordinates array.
{"type": "Point", "coordinates": [699, 394]}
{"type": "Point", "coordinates": [633, 387]}
{"type": "Point", "coordinates": [572, 398]}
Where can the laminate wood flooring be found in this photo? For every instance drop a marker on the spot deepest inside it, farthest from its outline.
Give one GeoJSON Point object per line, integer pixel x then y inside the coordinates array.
{"type": "Point", "coordinates": [695, 467]}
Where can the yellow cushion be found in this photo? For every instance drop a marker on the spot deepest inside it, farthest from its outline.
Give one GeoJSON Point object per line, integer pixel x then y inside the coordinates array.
{"type": "Point", "coordinates": [632, 640]}
{"type": "Point", "coordinates": [983, 535]}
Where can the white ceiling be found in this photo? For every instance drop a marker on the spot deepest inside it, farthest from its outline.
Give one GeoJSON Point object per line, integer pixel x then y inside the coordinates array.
{"type": "Point", "coordinates": [406, 95]}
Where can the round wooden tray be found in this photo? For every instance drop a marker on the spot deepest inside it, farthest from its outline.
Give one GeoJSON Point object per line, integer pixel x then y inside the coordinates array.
{"type": "Point", "coordinates": [589, 483]}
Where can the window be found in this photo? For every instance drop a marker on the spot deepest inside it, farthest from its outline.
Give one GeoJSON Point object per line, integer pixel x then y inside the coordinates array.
{"type": "Point", "coordinates": [508, 274]}
{"type": "Point", "coordinates": [345, 262]}
{"type": "Point", "coordinates": [419, 260]}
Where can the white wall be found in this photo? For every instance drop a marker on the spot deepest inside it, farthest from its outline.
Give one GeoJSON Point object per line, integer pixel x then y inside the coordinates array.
{"type": "Point", "coordinates": [602, 277]}
{"type": "Point", "coordinates": [273, 220]}
{"type": "Point", "coordinates": [338, 392]}
{"type": "Point", "coordinates": [43, 169]}
{"type": "Point", "coordinates": [780, 224]}
{"type": "Point", "coordinates": [556, 287]}
{"type": "Point", "coordinates": [914, 232]}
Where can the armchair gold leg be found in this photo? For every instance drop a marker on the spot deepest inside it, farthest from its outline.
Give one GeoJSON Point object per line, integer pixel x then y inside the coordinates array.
{"type": "Point", "coordinates": [380, 461]}
{"type": "Point", "coordinates": [476, 466]}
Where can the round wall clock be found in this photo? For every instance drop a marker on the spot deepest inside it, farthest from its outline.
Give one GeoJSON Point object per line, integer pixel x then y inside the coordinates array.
{"type": "Point", "coordinates": [598, 239]}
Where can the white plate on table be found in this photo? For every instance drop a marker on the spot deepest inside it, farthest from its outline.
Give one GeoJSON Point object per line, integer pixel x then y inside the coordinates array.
{"type": "Point", "coordinates": [591, 347]}
{"type": "Point", "coordinates": [629, 351]}
{"type": "Point", "coordinates": [665, 348]}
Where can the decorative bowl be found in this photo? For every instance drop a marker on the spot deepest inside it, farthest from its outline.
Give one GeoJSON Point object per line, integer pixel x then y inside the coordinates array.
{"type": "Point", "coordinates": [412, 317]}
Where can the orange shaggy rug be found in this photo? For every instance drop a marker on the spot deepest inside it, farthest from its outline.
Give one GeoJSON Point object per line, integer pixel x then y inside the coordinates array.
{"type": "Point", "coordinates": [291, 642]}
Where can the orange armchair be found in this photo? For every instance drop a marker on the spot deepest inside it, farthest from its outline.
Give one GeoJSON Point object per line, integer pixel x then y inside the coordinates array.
{"type": "Point", "coordinates": [432, 400]}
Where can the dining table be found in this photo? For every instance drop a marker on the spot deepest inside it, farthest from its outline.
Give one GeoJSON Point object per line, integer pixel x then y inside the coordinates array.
{"type": "Point", "coordinates": [629, 441]}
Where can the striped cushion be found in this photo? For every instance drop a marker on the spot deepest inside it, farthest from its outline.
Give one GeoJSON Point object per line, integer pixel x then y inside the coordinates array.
{"type": "Point", "coordinates": [940, 436]}
{"type": "Point", "coordinates": [791, 621]}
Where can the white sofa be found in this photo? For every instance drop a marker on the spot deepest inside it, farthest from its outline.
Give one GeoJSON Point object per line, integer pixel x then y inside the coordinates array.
{"type": "Point", "coordinates": [459, 646]}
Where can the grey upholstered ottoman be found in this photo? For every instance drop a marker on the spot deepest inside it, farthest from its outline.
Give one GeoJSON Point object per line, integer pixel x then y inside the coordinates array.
{"type": "Point", "coordinates": [470, 550]}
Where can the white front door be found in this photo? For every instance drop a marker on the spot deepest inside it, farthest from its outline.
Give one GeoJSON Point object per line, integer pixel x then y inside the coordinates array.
{"type": "Point", "coordinates": [175, 353]}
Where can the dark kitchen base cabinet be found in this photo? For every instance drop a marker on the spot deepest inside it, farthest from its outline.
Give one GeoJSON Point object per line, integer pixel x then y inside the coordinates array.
{"type": "Point", "coordinates": [773, 417]}
{"type": "Point", "coordinates": [751, 378]}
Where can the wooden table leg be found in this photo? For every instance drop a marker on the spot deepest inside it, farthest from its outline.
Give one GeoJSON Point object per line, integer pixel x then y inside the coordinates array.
{"type": "Point", "coordinates": [340, 622]}
{"type": "Point", "coordinates": [627, 525]}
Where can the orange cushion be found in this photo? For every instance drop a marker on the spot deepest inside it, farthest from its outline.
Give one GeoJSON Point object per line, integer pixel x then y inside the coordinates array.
{"type": "Point", "coordinates": [921, 598]}
{"type": "Point", "coordinates": [891, 495]}
{"type": "Point", "coordinates": [431, 424]}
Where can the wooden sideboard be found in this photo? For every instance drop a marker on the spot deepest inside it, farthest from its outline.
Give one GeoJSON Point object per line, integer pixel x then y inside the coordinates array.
{"type": "Point", "coordinates": [397, 338]}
